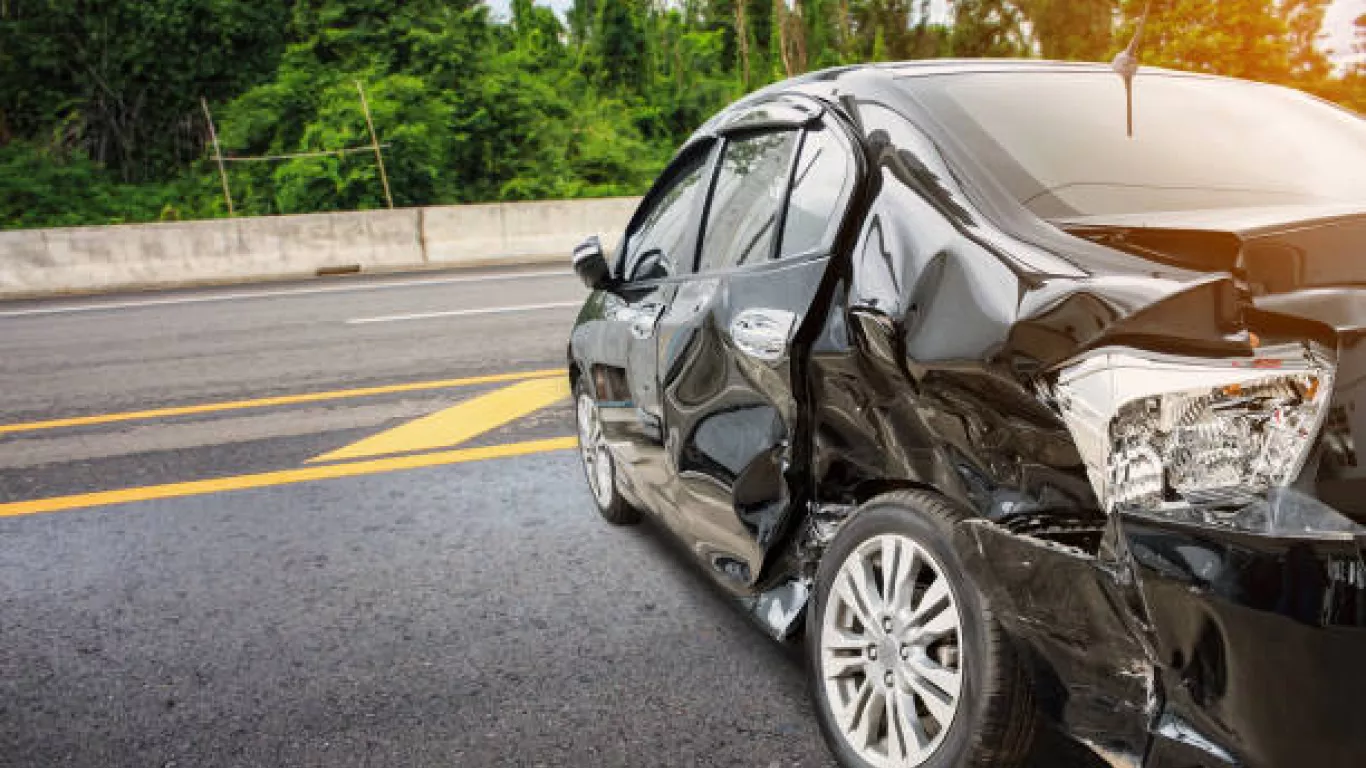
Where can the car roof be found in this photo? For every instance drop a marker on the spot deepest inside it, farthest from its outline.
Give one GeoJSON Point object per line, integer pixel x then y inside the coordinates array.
{"type": "Point", "coordinates": [938, 67]}
{"type": "Point", "coordinates": [829, 83]}
{"type": "Point", "coordinates": [926, 67]}
{"type": "Point", "coordinates": [823, 82]}
{"type": "Point", "coordinates": [831, 87]}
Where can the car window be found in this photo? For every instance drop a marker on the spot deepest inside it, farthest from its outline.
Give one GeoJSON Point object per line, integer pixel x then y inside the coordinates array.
{"type": "Point", "coordinates": [1059, 142]}
{"type": "Point", "coordinates": [743, 214]}
{"type": "Point", "coordinates": [819, 188]}
{"type": "Point", "coordinates": [653, 248]}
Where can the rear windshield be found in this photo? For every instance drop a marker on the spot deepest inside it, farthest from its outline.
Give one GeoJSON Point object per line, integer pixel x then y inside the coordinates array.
{"type": "Point", "coordinates": [1057, 141]}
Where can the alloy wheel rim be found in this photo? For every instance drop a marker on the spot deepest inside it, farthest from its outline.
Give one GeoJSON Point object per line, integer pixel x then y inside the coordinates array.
{"type": "Point", "coordinates": [891, 652]}
{"type": "Point", "coordinates": [593, 450]}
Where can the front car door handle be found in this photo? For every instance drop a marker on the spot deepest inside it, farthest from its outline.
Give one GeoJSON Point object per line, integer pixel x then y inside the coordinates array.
{"type": "Point", "coordinates": [642, 319]}
{"type": "Point", "coordinates": [762, 333]}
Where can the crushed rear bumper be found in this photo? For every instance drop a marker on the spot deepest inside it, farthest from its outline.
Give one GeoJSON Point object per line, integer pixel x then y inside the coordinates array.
{"type": "Point", "coordinates": [1261, 645]}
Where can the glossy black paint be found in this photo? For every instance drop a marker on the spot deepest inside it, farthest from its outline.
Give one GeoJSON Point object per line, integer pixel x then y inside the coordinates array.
{"type": "Point", "coordinates": [921, 338]}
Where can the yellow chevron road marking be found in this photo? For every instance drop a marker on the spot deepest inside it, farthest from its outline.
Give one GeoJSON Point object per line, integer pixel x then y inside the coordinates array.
{"type": "Point", "coordinates": [284, 477]}
{"type": "Point", "coordinates": [444, 429]}
{"type": "Point", "coordinates": [458, 423]}
{"type": "Point", "coordinates": [265, 402]}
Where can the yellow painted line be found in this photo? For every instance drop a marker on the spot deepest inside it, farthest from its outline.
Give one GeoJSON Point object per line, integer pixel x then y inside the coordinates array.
{"type": "Point", "coordinates": [458, 423]}
{"type": "Point", "coordinates": [283, 477]}
{"type": "Point", "coordinates": [266, 402]}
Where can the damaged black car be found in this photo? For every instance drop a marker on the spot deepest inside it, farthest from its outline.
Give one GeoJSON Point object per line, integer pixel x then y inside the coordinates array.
{"type": "Point", "coordinates": [1031, 409]}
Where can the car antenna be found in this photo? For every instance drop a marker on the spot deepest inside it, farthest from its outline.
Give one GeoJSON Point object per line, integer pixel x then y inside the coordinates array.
{"type": "Point", "coordinates": [1126, 64]}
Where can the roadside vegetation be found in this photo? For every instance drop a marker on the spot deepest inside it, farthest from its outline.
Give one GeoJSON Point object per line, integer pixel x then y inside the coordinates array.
{"type": "Point", "coordinates": [101, 120]}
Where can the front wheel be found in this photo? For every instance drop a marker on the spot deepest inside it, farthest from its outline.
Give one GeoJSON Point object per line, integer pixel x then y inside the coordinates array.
{"type": "Point", "coordinates": [597, 460]}
{"type": "Point", "coordinates": [908, 667]}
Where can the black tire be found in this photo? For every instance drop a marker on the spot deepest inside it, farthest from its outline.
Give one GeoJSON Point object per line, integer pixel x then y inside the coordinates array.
{"type": "Point", "coordinates": [996, 720]}
{"type": "Point", "coordinates": [611, 504]}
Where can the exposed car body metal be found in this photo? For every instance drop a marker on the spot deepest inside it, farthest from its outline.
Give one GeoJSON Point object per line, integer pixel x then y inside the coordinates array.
{"type": "Point", "coordinates": [753, 409]}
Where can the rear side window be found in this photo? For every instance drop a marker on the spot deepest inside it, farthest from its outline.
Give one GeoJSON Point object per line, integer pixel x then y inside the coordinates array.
{"type": "Point", "coordinates": [820, 188]}
{"type": "Point", "coordinates": [1059, 144]}
{"type": "Point", "coordinates": [655, 249]}
{"type": "Point", "coordinates": [742, 220]}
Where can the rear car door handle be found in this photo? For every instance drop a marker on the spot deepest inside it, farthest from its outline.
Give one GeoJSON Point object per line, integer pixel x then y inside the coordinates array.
{"type": "Point", "coordinates": [762, 333]}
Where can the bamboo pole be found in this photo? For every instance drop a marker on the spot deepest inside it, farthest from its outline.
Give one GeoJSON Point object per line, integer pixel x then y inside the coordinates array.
{"type": "Point", "coordinates": [297, 155]}
{"type": "Point", "coordinates": [374, 141]}
{"type": "Point", "coordinates": [218, 154]}
{"type": "Point", "coordinates": [742, 39]}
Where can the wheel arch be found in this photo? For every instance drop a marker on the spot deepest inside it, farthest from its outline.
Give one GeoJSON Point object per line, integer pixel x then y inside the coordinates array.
{"type": "Point", "coordinates": [1003, 707]}
{"type": "Point", "coordinates": [575, 370]}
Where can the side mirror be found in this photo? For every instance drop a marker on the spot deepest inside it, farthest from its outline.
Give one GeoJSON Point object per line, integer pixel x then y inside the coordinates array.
{"type": "Point", "coordinates": [590, 264]}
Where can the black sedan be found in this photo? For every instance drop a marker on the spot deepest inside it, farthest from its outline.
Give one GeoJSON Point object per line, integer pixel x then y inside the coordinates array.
{"type": "Point", "coordinates": [1036, 424]}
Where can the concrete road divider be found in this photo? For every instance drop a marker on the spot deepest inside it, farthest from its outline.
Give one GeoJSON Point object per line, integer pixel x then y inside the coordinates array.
{"type": "Point", "coordinates": [222, 250]}
{"type": "Point", "coordinates": [534, 227]}
{"type": "Point", "coordinates": [88, 259]}
{"type": "Point", "coordinates": [510, 231]}
{"type": "Point", "coordinates": [537, 227]}
{"type": "Point", "coordinates": [463, 233]}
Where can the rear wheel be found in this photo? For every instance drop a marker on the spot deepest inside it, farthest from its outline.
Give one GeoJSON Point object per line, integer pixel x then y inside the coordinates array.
{"type": "Point", "coordinates": [598, 464]}
{"type": "Point", "coordinates": [908, 666]}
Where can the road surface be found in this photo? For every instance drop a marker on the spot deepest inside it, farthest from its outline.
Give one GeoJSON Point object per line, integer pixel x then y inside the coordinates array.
{"type": "Point", "coordinates": [334, 523]}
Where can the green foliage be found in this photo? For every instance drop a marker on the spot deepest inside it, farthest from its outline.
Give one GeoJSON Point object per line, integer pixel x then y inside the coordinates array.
{"type": "Point", "coordinates": [37, 190]}
{"type": "Point", "coordinates": [1071, 29]}
{"type": "Point", "coordinates": [1350, 89]}
{"type": "Point", "coordinates": [990, 28]}
{"type": "Point", "coordinates": [1254, 39]}
{"type": "Point", "coordinates": [100, 117]}
{"type": "Point", "coordinates": [120, 81]}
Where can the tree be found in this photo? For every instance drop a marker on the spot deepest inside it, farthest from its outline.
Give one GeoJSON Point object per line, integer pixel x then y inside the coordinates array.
{"type": "Point", "coordinates": [1359, 36]}
{"type": "Point", "coordinates": [100, 119]}
{"type": "Point", "coordinates": [617, 45]}
{"type": "Point", "coordinates": [120, 82]}
{"type": "Point", "coordinates": [989, 28]}
{"type": "Point", "coordinates": [819, 32]}
{"type": "Point", "coordinates": [1254, 39]}
{"type": "Point", "coordinates": [928, 40]}
{"type": "Point", "coordinates": [417, 63]}
{"type": "Point", "coordinates": [883, 28]}
{"type": "Point", "coordinates": [1304, 24]}
{"type": "Point", "coordinates": [1071, 29]}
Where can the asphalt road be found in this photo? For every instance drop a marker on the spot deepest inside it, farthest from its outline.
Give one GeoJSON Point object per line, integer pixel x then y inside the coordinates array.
{"type": "Point", "coordinates": [334, 523]}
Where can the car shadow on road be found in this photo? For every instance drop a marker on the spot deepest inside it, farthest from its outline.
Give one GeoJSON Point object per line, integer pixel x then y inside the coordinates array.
{"type": "Point", "coordinates": [1052, 750]}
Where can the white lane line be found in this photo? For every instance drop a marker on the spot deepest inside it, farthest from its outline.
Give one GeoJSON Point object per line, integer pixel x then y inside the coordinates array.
{"type": "Point", "coordinates": [463, 312]}
{"type": "Point", "coordinates": [170, 301]}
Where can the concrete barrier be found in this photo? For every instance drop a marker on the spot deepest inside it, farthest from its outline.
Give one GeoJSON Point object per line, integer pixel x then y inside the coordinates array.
{"type": "Point", "coordinates": [502, 231]}
{"type": "Point", "coordinates": [86, 259]}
